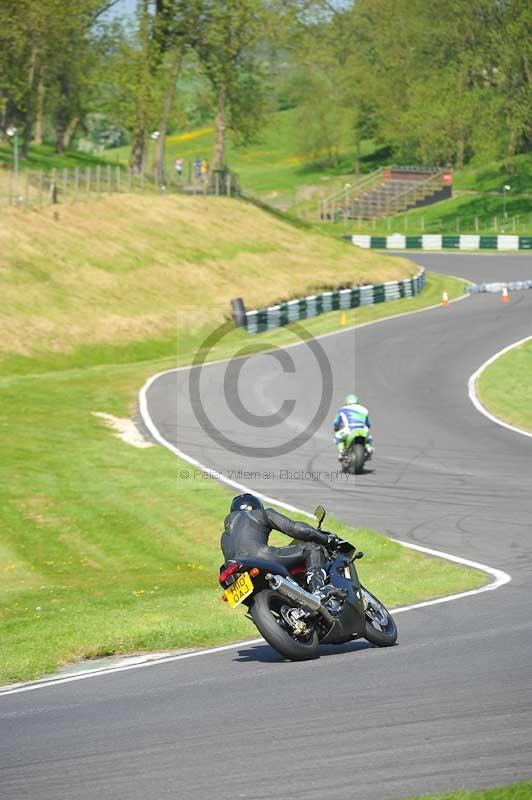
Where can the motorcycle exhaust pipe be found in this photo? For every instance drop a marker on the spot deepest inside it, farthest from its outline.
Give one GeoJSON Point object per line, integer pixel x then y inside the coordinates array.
{"type": "Point", "coordinates": [295, 592]}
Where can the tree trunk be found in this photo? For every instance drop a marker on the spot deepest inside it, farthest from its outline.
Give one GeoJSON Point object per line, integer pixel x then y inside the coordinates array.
{"type": "Point", "coordinates": [39, 120]}
{"type": "Point", "coordinates": [70, 131]}
{"type": "Point", "coordinates": [61, 115]}
{"type": "Point", "coordinates": [460, 150]}
{"type": "Point", "coordinates": [143, 98]}
{"type": "Point", "coordinates": [138, 147]}
{"type": "Point", "coordinates": [526, 69]}
{"type": "Point", "coordinates": [218, 161]}
{"type": "Point", "coordinates": [512, 139]}
{"type": "Point", "coordinates": [175, 68]}
{"type": "Point", "coordinates": [30, 105]}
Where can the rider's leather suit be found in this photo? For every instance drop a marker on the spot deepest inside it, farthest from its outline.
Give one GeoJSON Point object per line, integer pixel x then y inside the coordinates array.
{"type": "Point", "coordinates": [247, 532]}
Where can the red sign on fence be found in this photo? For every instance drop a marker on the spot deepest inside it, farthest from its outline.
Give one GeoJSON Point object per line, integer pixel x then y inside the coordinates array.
{"type": "Point", "coordinates": [447, 178]}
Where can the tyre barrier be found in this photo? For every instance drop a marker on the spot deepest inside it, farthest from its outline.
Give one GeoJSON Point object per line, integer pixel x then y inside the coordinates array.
{"type": "Point", "coordinates": [265, 319]}
{"type": "Point", "coordinates": [496, 288]}
{"type": "Point", "coordinates": [436, 241]}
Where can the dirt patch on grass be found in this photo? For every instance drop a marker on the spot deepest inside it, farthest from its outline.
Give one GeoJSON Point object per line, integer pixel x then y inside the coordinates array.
{"type": "Point", "coordinates": [125, 429]}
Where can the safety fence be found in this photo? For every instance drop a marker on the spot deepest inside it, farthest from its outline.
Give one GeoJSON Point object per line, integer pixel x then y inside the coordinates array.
{"type": "Point", "coordinates": [29, 188]}
{"type": "Point", "coordinates": [38, 188]}
{"type": "Point", "coordinates": [264, 319]}
{"type": "Point", "coordinates": [433, 241]}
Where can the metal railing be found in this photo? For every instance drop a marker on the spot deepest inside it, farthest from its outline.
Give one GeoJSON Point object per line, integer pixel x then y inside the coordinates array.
{"type": "Point", "coordinates": [379, 195]}
{"type": "Point", "coordinates": [335, 203]}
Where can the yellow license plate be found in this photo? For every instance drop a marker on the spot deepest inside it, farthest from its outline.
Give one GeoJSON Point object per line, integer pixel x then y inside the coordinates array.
{"type": "Point", "coordinates": [239, 590]}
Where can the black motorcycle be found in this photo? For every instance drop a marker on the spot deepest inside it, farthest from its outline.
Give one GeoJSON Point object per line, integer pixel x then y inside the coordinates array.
{"type": "Point", "coordinates": [294, 621]}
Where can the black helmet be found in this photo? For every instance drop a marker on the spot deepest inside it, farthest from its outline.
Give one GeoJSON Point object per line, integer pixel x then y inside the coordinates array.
{"type": "Point", "coordinates": [245, 502]}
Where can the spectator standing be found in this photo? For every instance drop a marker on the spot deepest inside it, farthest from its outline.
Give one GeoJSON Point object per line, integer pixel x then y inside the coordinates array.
{"type": "Point", "coordinates": [179, 169]}
{"type": "Point", "coordinates": [204, 170]}
{"type": "Point", "coordinates": [197, 168]}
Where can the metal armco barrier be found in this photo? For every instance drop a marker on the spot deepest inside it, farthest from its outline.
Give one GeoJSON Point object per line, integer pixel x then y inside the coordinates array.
{"type": "Point", "coordinates": [265, 319]}
{"type": "Point", "coordinates": [436, 241]}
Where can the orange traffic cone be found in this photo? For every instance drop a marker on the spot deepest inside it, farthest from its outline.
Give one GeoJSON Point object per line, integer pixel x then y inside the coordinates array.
{"type": "Point", "coordinates": [445, 300]}
{"type": "Point", "coordinates": [505, 296]}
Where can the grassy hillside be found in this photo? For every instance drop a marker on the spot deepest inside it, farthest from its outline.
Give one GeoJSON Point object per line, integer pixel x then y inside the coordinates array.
{"type": "Point", "coordinates": [273, 165]}
{"type": "Point", "coordinates": [44, 157]}
{"type": "Point", "coordinates": [273, 169]}
{"type": "Point", "coordinates": [151, 272]}
{"type": "Point", "coordinates": [471, 212]}
{"type": "Point", "coordinates": [491, 176]}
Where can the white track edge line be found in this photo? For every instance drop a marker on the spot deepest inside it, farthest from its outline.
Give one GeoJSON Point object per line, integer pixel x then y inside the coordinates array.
{"type": "Point", "coordinates": [44, 683]}
{"type": "Point", "coordinates": [472, 389]}
{"type": "Point", "coordinates": [501, 577]}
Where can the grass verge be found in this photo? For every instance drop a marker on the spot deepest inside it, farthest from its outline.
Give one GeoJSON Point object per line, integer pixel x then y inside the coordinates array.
{"type": "Point", "coordinates": [106, 548]}
{"type": "Point", "coordinates": [505, 387]}
{"type": "Point", "coordinates": [518, 791]}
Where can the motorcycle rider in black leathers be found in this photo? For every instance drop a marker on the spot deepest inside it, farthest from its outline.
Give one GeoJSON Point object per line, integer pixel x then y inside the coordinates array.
{"type": "Point", "coordinates": [248, 526]}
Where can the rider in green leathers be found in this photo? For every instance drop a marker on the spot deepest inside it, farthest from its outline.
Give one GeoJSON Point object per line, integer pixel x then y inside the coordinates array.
{"type": "Point", "coordinates": [350, 417]}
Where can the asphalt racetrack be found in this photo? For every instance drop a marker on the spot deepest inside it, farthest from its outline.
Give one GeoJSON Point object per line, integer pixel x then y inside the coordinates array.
{"type": "Point", "coordinates": [449, 706]}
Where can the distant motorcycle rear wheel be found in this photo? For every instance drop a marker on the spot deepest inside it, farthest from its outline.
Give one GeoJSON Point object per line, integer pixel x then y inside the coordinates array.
{"type": "Point", "coordinates": [360, 457]}
{"type": "Point", "coordinates": [266, 614]}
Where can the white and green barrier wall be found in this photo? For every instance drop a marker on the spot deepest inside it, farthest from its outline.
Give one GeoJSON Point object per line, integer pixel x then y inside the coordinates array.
{"type": "Point", "coordinates": [436, 241]}
{"type": "Point", "coordinates": [496, 288]}
{"type": "Point", "coordinates": [264, 319]}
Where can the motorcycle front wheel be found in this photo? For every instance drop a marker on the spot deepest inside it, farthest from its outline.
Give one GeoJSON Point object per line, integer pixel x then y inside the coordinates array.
{"type": "Point", "coordinates": [381, 629]}
{"type": "Point", "coordinates": [266, 613]}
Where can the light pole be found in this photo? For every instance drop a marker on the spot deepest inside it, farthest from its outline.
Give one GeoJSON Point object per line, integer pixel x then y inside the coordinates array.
{"type": "Point", "coordinates": [160, 167]}
{"type": "Point", "coordinates": [12, 133]}
{"type": "Point", "coordinates": [505, 189]}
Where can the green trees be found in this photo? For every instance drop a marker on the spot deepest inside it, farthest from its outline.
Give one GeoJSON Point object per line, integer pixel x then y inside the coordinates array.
{"type": "Point", "coordinates": [448, 80]}
{"type": "Point", "coordinates": [324, 90]}
{"type": "Point", "coordinates": [219, 41]}
{"type": "Point", "coordinates": [227, 48]}
{"type": "Point", "coordinates": [438, 82]}
{"type": "Point", "coordinates": [44, 64]}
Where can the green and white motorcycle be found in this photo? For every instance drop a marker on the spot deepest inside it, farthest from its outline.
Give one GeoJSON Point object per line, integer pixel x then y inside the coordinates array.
{"type": "Point", "coordinates": [357, 450]}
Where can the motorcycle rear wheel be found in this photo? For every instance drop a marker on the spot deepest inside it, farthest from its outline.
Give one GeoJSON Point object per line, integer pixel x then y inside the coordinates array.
{"type": "Point", "coordinates": [266, 615]}
{"type": "Point", "coordinates": [359, 458]}
{"type": "Point", "coordinates": [381, 629]}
